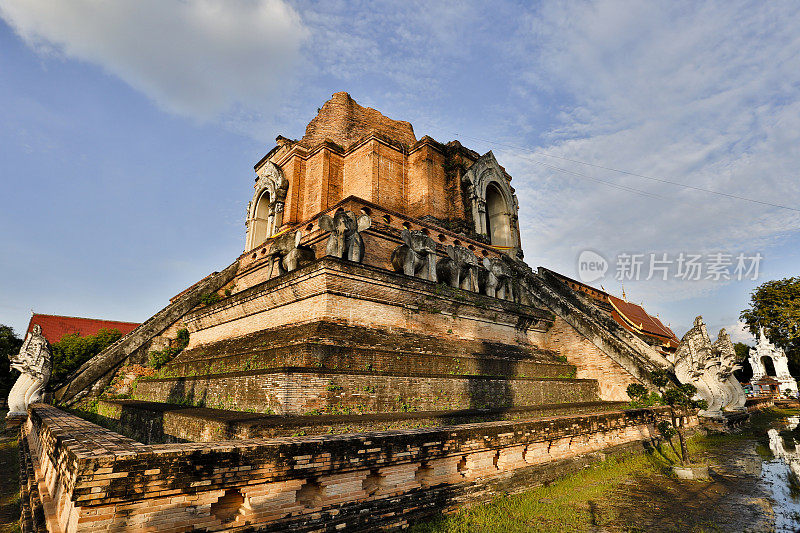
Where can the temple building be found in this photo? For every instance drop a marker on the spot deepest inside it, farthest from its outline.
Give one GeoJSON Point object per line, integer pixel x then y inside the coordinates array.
{"type": "Point", "coordinates": [629, 315]}
{"type": "Point", "coordinates": [379, 352]}
{"type": "Point", "coordinates": [769, 361]}
{"type": "Point", "coordinates": [54, 327]}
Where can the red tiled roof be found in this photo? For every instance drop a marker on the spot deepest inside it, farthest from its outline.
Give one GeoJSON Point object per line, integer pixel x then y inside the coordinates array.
{"type": "Point", "coordinates": [634, 316]}
{"type": "Point", "coordinates": [54, 326]}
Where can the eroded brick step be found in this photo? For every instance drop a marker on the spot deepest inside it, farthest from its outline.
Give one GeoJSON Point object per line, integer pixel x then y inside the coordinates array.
{"type": "Point", "coordinates": [153, 422]}
{"type": "Point", "coordinates": [355, 337]}
{"type": "Point", "coordinates": [342, 357]}
{"type": "Point", "coordinates": [316, 391]}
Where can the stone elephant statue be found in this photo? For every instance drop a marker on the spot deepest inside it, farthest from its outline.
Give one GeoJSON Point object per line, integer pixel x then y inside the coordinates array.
{"type": "Point", "coordinates": [345, 240]}
{"type": "Point", "coordinates": [497, 279]}
{"type": "Point", "coordinates": [416, 256]}
{"type": "Point", "coordinates": [459, 269]}
{"type": "Point", "coordinates": [287, 254]}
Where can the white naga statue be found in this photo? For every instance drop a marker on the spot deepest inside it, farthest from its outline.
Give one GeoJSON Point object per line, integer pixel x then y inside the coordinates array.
{"type": "Point", "coordinates": [34, 362]}
{"type": "Point", "coordinates": [766, 351]}
{"type": "Point", "coordinates": [709, 367]}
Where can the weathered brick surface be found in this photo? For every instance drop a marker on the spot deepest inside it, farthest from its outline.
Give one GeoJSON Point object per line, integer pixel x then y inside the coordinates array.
{"type": "Point", "coordinates": [355, 294]}
{"type": "Point", "coordinates": [361, 481]}
{"type": "Point", "coordinates": [335, 346]}
{"type": "Point", "coordinates": [152, 422]}
{"type": "Point", "coordinates": [590, 360]}
{"type": "Point", "coordinates": [301, 390]}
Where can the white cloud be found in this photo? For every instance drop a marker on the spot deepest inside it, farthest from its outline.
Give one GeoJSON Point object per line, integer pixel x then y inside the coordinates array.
{"type": "Point", "coordinates": [199, 58]}
{"type": "Point", "coordinates": [704, 94]}
{"type": "Point", "coordinates": [740, 333]}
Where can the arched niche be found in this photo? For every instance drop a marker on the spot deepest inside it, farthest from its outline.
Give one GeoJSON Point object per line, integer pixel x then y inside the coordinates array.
{"type": "Point", "coordinates": [769, 366]}
{"type": "Point", "coordinates": [498, 218]}
{"type": "Point", "coordinates": [260, 220]}
{"type": "Point", "coordinates": [265, 210]}
{"type": "Point", "coordinates": [492, 201]}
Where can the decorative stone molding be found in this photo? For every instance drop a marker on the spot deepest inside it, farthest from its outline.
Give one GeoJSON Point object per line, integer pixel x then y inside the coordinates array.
{"type": "Point", "coordinates": [345, 241]}
{"type": "Point", "coordinates": [416, 257]}
{"type": "Point", "coordinates": [763, 349]}
{"type": "Point", "coordinates": [486, 172]}
{"type": "Point", "coordinates": [265, 210]}
{"type": "Point", "coordinates": [35, 364]}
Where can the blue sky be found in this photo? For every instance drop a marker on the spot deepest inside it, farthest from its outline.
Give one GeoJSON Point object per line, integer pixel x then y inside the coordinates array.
{"type": "Point", "coordinates": [129, 129]}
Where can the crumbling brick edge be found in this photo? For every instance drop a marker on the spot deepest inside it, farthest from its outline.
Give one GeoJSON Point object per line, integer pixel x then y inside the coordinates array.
{"type": "Point", "coordinates": [90, 478]}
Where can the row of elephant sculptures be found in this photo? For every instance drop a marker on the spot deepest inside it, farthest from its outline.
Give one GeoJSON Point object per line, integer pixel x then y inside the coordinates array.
{"type": "Point", "coordinates": [499, 277]}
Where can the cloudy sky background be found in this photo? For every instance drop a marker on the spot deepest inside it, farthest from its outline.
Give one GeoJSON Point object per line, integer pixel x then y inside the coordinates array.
{"type": "Point", "coordinates": [128, 131]}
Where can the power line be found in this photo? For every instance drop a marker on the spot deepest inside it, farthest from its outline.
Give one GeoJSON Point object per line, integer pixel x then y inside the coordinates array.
{"type": "Point", "coordinates": [635, 174]}
{"type": "Point", "coordinates": [615, 185]}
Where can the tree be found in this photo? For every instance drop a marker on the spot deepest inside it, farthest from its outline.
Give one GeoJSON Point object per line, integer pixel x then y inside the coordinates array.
{"type": "Point", "coordinates": [9, 347]}
{"type": "Point", "coordinates": [675, 397]}
{"type": "Point", "coordinates": [775, 306]}
{"type": "Point", "coordinates": [746, 372]}
{"type": "Point", "coordinates": [72, 351]}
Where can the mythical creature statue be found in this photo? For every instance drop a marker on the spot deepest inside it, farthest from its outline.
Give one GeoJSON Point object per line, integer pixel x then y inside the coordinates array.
{"type": "Point", "coordinates": [345, 240]}
{"type": "Point", "coordinates": [417, 256]}
{"type": "Point", "coordinates": [459, 268]}
{"type": "Point", "coordinates": [286, 253]}
{"type": "Point", "coordinates": [709, 367]}
{"type": "Point", "coordinates": [35, 364]}
{"type": "Point", "coordinates": [724, 351]}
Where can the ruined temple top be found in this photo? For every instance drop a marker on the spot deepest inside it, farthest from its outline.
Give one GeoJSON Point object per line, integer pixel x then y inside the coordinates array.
{"type": "Point", "coordinates": [351, 151]}
{"type": "Point", "coordinates": [344, 122]}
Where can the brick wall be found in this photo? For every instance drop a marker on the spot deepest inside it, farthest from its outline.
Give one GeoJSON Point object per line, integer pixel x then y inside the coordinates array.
{"type": "Point", "coordinates": [589, 360]}
{"type": "Point", "coordinates": [349, 482]}
{"type": "Point", "coordinates": [351, 293]}
{"type": "Point", "coordinates": [151, 423]}
{"type": "Point", "coordinates": [303, 390]}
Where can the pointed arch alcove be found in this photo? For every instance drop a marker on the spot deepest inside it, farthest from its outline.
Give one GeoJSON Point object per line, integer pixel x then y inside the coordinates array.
{"type": "Point", "coordinates": [493, 203]}
{"type": "Point", "coordinates": [265, 210]}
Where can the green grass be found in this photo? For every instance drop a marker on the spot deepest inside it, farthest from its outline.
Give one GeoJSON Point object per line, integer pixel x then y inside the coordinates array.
{"type": "Point", "coordinates": [574, 503]}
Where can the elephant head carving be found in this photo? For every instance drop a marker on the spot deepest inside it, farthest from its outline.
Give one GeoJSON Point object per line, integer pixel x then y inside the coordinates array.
{"type": "Point", "coordinates": [497, 280]}
{"type": "Point", "coordinates": [287, 255]}
{"type": "Point", "coordinates": [345, 240]}
{"type": "Point", "coordinates": [416, 256]}
{"type": "Point", "coordinates": [459, 268]}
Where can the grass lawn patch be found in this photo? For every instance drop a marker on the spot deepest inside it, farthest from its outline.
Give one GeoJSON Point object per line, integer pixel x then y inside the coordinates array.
{"type": "Point", "coordinates": [578, 502]}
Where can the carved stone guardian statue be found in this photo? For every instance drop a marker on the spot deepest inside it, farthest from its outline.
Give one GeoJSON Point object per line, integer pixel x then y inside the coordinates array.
{"type": "Point", "coordinates": [417, 256]}
{"type": "Point", "coordinates": [498, 279]}
{"type": "Point", "coordinates": [287, 255]}
{"type": "Point", "coordinates": [459, 268]}
{"type": "Point", "coordinates": [345, 240]}
{"type": "Point", "coordinates": [35, 364]}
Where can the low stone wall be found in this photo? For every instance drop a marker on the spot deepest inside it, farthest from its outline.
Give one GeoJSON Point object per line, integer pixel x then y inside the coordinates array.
{"type": "Point", "coordinates": [757, 403]}
{"type": "Point", "coordinates": [310, 391]}
{"type": "Point", "coordinates": [151, 422]}
{"type": "Point", "coordinates": [101, 480]}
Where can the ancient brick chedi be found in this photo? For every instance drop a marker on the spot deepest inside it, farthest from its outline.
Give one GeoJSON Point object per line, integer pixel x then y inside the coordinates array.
{"type": "Point", "coordinates": [380, 351]}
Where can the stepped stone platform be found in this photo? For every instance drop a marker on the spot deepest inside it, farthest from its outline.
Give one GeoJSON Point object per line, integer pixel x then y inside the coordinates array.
{"type": "Point", "coordinates": [306, 390]}
{"type": "Point", "coordinates": [331, 345]}
{"type": "Point", "coordinates": [153, 422]}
